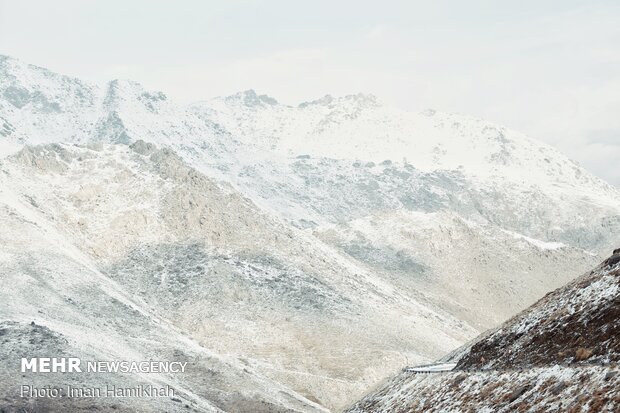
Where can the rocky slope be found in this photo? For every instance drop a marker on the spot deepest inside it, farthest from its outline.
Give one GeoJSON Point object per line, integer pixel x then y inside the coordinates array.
{"type": "Point", "coordinates": [561, 354]}
{"type": "Point", "coordinates": [55, 279]}
{"type": "Point", "coordinates": [179, 251]}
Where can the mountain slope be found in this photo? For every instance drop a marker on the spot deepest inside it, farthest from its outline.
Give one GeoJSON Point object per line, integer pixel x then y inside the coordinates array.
{"type": "Point", "coordinates": [561, 354]}
{"type": "Point", "coordinates": [57, 284]}
{"type": "Point", "coordinates": [200, 258]}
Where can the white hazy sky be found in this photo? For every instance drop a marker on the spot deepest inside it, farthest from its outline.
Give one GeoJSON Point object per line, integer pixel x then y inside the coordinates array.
{"type": "Point", "coordinates": [550, 69]}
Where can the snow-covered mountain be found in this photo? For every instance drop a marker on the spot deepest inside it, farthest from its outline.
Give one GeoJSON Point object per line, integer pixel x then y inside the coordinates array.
{"type": "Point", "coordinates": [60, 226]}
{"type": "Point", "coordinates": [559, 355]}
{"type": "Point", "coordinates": [114, 232]}
{"type": "Point", "coordinates": [326, 244]}
{"type": "Point", "coordinates": [417, 148]}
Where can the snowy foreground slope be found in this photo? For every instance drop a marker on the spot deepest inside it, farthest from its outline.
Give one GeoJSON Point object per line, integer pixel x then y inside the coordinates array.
{"type": "Point", "coordinates": [127, 252]}
{"type": "Point", "coordinates": [60, 300]}
{"type": "Point", "coordinates": [560, 355]}
{"type": "Point", "coordinates": [323, 246]}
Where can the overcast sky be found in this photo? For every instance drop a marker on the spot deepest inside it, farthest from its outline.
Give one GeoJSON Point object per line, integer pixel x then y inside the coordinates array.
{"type": "Point", "coordinates": [550, 69]}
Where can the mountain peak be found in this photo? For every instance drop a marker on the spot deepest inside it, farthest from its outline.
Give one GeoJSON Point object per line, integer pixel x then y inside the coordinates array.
{"type": "Point", "coordinates": [15, 67]}
{"type": "Point", "coordinates": [130, 86]}
{"type": "Point", "coordinates": [122, 89]}
{"type": "Point", "coordinates": [363, 100]}
{"type": "Point", "coordinates": [30, 87]}
{"type": "Point", "coordinates": [251, 99]}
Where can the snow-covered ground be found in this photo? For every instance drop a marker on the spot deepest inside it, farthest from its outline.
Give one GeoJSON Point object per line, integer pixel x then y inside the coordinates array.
{"type": "Point", "coordinates": [325, 244]}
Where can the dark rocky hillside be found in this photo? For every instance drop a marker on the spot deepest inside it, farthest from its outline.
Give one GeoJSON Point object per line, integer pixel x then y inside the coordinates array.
{"type": "Point", "coordinates": [560, 355]}
{"type": "Point", "coordinates": [578, 323]}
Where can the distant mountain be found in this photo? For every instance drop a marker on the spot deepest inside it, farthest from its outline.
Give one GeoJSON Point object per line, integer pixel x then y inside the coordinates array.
{"type": "Point", "coordinates": [404, 234]}
{"type": "Point", "coordinates": [559, 355]}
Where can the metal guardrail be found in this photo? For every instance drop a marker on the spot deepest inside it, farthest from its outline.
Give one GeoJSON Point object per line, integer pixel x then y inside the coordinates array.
{"type": "Point", "coordinates": [431, 368]}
